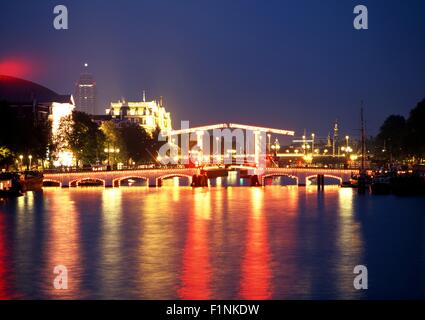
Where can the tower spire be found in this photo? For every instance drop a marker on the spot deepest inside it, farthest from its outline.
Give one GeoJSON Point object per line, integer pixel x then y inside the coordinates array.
{"type": "Point", "coordinates": [363, 138]}
{"type": "Point", "coordinates": [335, 147]}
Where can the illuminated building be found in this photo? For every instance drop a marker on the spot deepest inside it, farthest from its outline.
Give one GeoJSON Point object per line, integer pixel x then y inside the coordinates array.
{"type": "Point", "coordinates": [29, 98]}
{"type": "Point", "coordinates": [148, 114]}
{"type": "Point", "coordinates": [85, 92]}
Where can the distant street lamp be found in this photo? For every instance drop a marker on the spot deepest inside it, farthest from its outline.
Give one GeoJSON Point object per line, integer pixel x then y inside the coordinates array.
{"type": "Point", "coordinates": [21, 157]}
{"type": "Point", "coordinates": [109, 151]}
{"type": "Point", "coordinates": [346, 140]}
{"type": "Point", "coordinates": [276, 147]}
{"type": "Point", "coordinates": [312, 141]}
{"type": "Point", "coordinates": [115, 152]}
{"type": "Point", "coordinates": [30, 158]}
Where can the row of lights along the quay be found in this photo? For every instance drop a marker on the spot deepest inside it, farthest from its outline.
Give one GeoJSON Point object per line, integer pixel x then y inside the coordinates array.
{"type": "Point", "coordinates": [20, 162]}
{"type": "Point", "coordinates": [307, 145]}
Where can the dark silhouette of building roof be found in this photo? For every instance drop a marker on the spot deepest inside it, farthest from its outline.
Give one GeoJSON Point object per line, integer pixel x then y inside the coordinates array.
{"type": "Point", "coordinates": [20, 91]}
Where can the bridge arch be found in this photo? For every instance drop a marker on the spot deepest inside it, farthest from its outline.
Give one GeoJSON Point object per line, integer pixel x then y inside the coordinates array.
{"type": "Point", "coordinates": [52, 181]}
{"type": "Point", "coordinates": [76, 182]}
{"type": "Point", "coordinates": [159, 179]}
{"type": "Point", "coordinates": [271, 175]}
{"type": "Point", "coordinates": [117, 181]}
{"type": "Point", "coordinates": [309, 178]}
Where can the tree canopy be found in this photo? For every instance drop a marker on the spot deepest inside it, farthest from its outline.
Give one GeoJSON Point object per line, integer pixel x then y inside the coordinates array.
{"type": "Point", "coordinates": [22, 133]}
{"type": "Point", "coordinates": [82, 136]}
{"type": "Point", "coordinates": [404, 137]}
{"type": "Point", "coordinates": [391, 137]}
{"type": "Point", "coordinates": [415, 136]}
{"type": "Point", "coordinates": [134, 142]}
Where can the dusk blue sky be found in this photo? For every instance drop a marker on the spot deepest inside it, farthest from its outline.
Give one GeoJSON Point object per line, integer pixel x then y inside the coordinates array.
{"type": "Point", "coordinates": [284, 64]}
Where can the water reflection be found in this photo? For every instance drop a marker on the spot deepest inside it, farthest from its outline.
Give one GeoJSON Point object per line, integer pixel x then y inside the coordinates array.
{"type": "Point", "coordinates": [196, 269]}
{"type": "Point", "coordinates": [255, 270]}
{"type": "Point", "coordinates": [62, 246]}
{"type": "Point", "coordinates": [158, 242]}
{"type": "Point", "coordinates": [350, 243]}
{"type": "Point", "coordinates": [284, 241]}
{"type": "Point", "coordinates": [26, 232]}
{"type": "Point", "coordinates": [211, 243]}
{"type": "Point", "coordinates": [4, 259]}
{"type": "Point", "coordinates": [111, 242]}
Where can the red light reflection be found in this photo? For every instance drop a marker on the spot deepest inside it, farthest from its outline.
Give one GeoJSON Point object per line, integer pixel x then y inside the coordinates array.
{"type": "Point", "coordinates": [196, 266]}
{"type": "Point", "coordinates": [3, 260]}
{"type": "Point", "coordinates": [256, 273]}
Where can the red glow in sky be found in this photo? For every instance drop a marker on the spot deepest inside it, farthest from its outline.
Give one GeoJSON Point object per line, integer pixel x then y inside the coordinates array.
{"type": "Point", "coordinates": [15, 67]}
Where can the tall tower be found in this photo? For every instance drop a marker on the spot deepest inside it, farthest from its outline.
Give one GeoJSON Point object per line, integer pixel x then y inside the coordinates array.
{"type": "Point", "coordinates": [329, 140]}
{"type": "Point", "coordinates": [335, 146]}
{"type": "Point", "coordinates": [85, 92]}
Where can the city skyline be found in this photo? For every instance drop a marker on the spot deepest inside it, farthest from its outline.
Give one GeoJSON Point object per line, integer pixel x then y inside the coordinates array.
{"type": "Point", "coordinates": [233, 62]}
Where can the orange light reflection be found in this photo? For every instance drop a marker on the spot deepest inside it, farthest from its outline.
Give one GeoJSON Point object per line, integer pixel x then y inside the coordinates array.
{"type": "Point", "coordinates": [196, 274]}
{"type": "Point", "coordinates": [256, 272]}
{"type": "Point", "coordinates": [63, 245]}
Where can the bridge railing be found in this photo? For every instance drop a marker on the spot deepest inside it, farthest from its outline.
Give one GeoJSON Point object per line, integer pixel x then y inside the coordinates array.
{"type": "Point", "coordinates": [121, 169]}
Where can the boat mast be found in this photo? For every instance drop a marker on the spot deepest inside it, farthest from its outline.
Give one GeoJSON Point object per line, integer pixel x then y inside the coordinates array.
{"type": "Point", "coordinates": [363, 138]}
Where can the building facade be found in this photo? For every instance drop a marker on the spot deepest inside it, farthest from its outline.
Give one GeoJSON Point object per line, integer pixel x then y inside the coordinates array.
{"type": "Point", "coordinates": [85, 93]}
{"type": "Point", "coordinates": [148, 114]}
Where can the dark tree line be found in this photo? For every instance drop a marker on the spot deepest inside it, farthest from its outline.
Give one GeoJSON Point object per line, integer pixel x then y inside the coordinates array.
{"type": "Point", "coordinates": [91, 143]}
{"type": "Point", "coordinates": [82, 136]}
{"type": "Point", "coordinates": [400, 138]}
{"type": "Point", "coordinates": [138, 144]}
{"type": "Point", "coordinates": [22, 134]}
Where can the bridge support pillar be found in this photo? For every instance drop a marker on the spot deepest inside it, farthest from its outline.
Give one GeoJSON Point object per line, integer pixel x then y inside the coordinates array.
{"type": "Point", "coordinates": [152, 182]}
{"type": "Point", "coordinates": [65, 183]}
{"type": "Point", "coordinates": [109, 183]}
{"type": "Point", "coordinates": [320, 182]}
{"type": "Point", "coordinates": [255, 181]}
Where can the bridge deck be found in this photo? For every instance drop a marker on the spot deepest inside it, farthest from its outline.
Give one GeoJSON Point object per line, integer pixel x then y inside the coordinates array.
{"type": "Point", "coordinates": [153, 176]}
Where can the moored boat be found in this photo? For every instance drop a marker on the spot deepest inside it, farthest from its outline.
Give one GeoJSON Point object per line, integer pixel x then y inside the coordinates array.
{"type": "Point", "coordinates": [381, 185]}
{"type": "Point", "coordinates": [32, 180]}
{"type": "Point", "coordinates": [10, 185]}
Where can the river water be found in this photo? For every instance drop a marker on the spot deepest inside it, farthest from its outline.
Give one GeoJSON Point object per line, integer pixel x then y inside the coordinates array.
{"type": "Point", "coordinates": [276, 242]}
